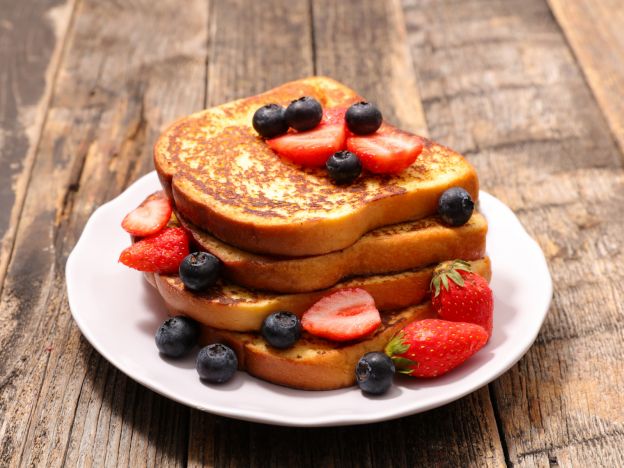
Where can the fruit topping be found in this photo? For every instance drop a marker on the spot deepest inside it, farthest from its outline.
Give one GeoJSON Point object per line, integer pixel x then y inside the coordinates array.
{"type": "Point", "coordinates": [199, 270]}
{"type": "Point", "coordinates": [363, 118]}
{"type": "Point", "coordinates": [347, 314]}
{"type": "Point", "coordinates": [150, 217]}
{"type": "Point", "coordinates": [374, 373]}
{"type": "Point", "coordinates": [216, 363]}
{"type": "Point", "coordinates": [387, 151]}
{"type": "Point", "coordinates": [281, 329]}
{"type": "Point", "coordinates": [312, 148]}
{"type": "Point", "coordinates": [455, 206]}
{"type": "Point", "coordinates": [160, 253]}
{"type": "Point", "coordinates": [270, 121]}
{"type": "Point", "coordinates": [177, 336]}
{"type": "Point", "coordinates": [304, 113]}
{"type": "Point", "coordinates": [459, 295]}
{"type": "Point", "coordinates": [432, 347]}
{"type": "Point", "coordinates": [343, 167]}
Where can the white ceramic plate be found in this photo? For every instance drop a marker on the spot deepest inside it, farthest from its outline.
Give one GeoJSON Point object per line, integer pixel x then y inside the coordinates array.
{"type": "Point", "coordinates": [118, 312]}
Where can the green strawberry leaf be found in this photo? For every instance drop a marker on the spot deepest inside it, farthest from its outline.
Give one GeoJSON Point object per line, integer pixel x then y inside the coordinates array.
{"type": "Point", "coordinates": [444, 279]}
{"type": "Point", "coordinates": [456, 277]}
{"type": "Point", "coordinates": [396, 345]}
{"type": "Point", "coordinates": [404, 365]}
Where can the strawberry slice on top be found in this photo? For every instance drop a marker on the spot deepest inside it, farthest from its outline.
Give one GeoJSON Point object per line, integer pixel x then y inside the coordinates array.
{"type": "Point", "coordinates": [347, 314]}
{"type": "Point", "coordinates": [387, 151]}
{"type": "Point", "coordinates": [313, 147]}
{"type": "Point", "coordinates": [149, 217]}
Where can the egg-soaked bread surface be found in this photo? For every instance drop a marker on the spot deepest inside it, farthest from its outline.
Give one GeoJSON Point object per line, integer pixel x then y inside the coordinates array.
{"type": "Point", "coordinates": [225, 179]}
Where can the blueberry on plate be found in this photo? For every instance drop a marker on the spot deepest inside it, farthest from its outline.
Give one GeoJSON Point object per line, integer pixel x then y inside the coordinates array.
{"type": "Point", "coordinates": [199, 270]}
{"type": "Point", "coordinates": [177, 336]}
{"type": "Point", "coordinates": [269, 121]}
{"type": "Point", "coordinates": [216, 363]}
{"type": "Point", "coordinates": [363, 118]}
{"type": "Point", "coordinates": [281, 329]}
{"type": "Point", "coordinates": [343, 167]}
{"type": "Point", "coordinates": [455, 206]}
{"type": "Point", "coordinates": [374, 373]}
{"type": "Point", "coordinates": [304, 113]}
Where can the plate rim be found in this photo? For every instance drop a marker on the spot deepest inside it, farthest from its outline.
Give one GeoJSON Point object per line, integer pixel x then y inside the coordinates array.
{"type": "Point", "coordinates": [280, 419]}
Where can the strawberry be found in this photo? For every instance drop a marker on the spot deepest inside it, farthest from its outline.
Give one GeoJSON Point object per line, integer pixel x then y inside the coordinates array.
{"type": "Point", "coordinates": [313, 147]}
{"type": "Point", "coordinates": [387, 151]}
{"type": "Point", "coordinates": [460, 295]}
{"type": "Point", "coordinates": [150, 217]}
{"type": "Point", "coordinates": [345, 315]}
{"type": "Point", "coordinates": [432, 347]}
{"type": "Point", "coordinates": [159, 253]}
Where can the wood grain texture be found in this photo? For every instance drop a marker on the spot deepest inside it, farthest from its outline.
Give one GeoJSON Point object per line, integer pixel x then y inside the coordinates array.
{"type": "Point", "coordinates": [594, 31]}
{"type": "Point", "coordinates": [363, 44]}
{"type": "Point", "coordinates": [32, 34]}
{"type": "Point", "coordinates": [129, 68]}
{"type": "Point", "coordinates": [499, 83]}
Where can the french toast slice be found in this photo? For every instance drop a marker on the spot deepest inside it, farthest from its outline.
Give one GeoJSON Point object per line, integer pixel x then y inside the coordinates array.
{"type": "Point", "coordinates": [224, 179]}
{"type": "Point", "coordinates": [232, 307]}
{"type": "Point", "coordinates": [312, 363]}
{"type": "Point", "coordinates": [387, 249]}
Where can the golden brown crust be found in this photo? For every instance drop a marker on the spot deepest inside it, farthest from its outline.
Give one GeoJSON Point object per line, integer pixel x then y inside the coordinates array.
{"type": "Point", "coordinates": [232, 307]}
{"type": "Point", "coordinates": [312, 364]}
{"type": "Point", "coordinates": [388, 249]}
{"type": "Point", "coordinates": [225, 179]}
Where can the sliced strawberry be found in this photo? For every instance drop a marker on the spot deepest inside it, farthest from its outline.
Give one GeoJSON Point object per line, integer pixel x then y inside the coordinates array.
{"type": "Point", "coordinates": [312, 148]}
{"type": "Point", "coordinates": [345, 315]}
{"type": "Point", "coordinates": [387, 151]}
{"type": "Point", "coordinates": [160, 253]}
{"type": "Point", "coordinates": [150, 217]}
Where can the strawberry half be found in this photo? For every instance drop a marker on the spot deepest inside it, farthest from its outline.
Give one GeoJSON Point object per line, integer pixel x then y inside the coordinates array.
{"type": "Point", "coordinates": [150, 217]}
{"type": "Point", "coordinates": [314, 147]}
{"type": "Point", "coordinates": [345, 315]}
{"type": "Point", "coordinates": [459, 295]}
{"type": "Point", "coordinates": [160, 253]}
{"type": "Point", "coordinates": [387, 151]}
{"type": "Point", "coordinates": [432, 347]}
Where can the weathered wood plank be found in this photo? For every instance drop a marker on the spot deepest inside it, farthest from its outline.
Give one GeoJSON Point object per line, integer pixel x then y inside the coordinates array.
{"type": "Point", "coordinates": [363, 43]}
{"type": "Point", "coordinates": [32, 35]}
{"type": "Point", "coordinates": [129, 68]}
{"type": "Point", "coordinates": [499, 83]}
{"type": "Point", "coordinates": [594, 31]}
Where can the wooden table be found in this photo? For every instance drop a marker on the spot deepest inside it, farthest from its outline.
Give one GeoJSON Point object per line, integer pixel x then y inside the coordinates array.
{"type": "Point", "coordinates": [532, 91]}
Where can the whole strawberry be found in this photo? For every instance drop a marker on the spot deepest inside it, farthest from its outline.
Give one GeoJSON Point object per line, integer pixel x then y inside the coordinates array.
{"type": "Point", "coordinates": [459, 295]}
{"type": "Point", "coordinates": [159, 253]}
{"type": "Point", "coordinates": [432, 347]}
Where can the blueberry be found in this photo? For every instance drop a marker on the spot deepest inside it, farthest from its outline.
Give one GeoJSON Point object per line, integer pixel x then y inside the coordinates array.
{"type": "Point", "coordinates": [374, 372]}
{"type": "Point", "coordinates": [304, 113]}
{"type": "Point", "coordinates": [177, 336]}
{"type": "Point", "coordinates": [199, 270]}
{"type": "Point", "coordinates": [216, 363]}
{"type": "Point", "coordinates": [281, 329]}
{"type": "Point", "coordinates": [455, 206]}
{"type": "Point", "coordinates": [269, 121]}
{"type": "Point", "coordinates": [363, 118]}
{"type": "Point", "coordinates": [343, 167]}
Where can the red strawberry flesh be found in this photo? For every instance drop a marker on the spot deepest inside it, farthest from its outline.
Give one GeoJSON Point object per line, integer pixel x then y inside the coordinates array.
{"type": "Point", "coordinates": [149, 217]}
{"type": "Point", "coordinates": [433, 347]}
{"type": "Point", "coordinates": [347, 314]}
{"type": "Point", "coordinates": [313, 147]}
{"type": "Point", "coordinates": [460, 295]}
{"type": "Point", "coordinates": [387, 151]}
{"type": "Point", "coordinates": [160, 253]}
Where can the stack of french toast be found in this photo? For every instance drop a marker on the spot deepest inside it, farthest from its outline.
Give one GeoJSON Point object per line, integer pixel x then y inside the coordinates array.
{"type": "Point", "coordinates": [287, 236]}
